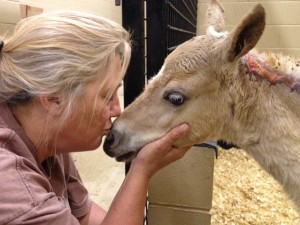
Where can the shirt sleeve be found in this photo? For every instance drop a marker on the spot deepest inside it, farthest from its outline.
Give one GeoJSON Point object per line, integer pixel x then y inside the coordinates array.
{"type": "Point", "coordinates": [26, 196]}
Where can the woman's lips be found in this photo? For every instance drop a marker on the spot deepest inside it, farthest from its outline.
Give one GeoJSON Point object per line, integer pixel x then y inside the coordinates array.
{"type": "Point", "coordinates": [105, 132]}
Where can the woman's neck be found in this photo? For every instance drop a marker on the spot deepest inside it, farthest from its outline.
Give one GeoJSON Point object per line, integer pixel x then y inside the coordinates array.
{"type": "Point", "coordinates": [32, 118]}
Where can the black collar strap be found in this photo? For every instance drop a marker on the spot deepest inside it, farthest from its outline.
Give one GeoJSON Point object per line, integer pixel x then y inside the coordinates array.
{"type": "Point", "coordinates": [1, 45]}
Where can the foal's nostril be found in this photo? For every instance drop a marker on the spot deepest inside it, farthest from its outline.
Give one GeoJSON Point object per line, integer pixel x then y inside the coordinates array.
{"type": "Point", "coordinates": [109, 140]}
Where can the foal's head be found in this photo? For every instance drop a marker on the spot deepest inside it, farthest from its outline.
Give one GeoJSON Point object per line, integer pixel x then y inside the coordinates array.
{"type": "Point", "coordinates": [189, 88]}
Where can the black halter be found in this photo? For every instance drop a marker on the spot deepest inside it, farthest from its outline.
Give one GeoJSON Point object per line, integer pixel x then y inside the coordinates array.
{"type": "Point", "coordinates": [1, 45]}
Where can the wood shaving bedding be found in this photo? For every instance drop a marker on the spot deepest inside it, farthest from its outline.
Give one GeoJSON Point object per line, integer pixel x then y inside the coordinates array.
{"type": "Point", "coordinates": [246, 194]}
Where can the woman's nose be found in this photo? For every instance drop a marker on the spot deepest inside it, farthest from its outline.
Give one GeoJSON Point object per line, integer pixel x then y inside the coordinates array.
{"type": "Point", "coordinates": [115, 107]}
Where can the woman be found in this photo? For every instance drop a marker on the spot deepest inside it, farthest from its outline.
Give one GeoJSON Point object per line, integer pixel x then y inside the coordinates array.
{"type": "Point", "coordinates": [59, 74]}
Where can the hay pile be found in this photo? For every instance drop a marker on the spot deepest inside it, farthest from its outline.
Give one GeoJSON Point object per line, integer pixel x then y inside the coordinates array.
{"type": "Point", "coordinates": [245, 194]}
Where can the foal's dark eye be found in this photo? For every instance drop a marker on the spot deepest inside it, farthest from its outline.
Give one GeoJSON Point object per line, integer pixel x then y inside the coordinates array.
{"type": "Point", "coordinates": [176, 98]}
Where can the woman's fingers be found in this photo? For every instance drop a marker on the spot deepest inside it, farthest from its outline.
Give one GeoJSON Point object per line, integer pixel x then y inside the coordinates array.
{"type": "Point", "coordinates": [174, 135]}
{"type": "Point", "coordinates": [161, 152]}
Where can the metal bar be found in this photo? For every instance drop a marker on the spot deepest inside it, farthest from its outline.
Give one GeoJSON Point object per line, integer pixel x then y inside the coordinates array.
{"type": "Point", "coordinates": [194, 4]}
{"type": "Point", "coordinates": [157, 36]}
{"type": "Point", "coordinates": [172, 48]}
{"type": "Point", "coordinates": [187, 7]}
{"type": "Point", "coordinates": [181, 30]}
{"type": "Point", "coordinates": [133, 20]}
{"type": "Point", "coordinates": [180, 14]}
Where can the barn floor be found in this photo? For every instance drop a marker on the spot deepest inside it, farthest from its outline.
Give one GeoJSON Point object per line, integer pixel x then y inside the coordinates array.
{"type": "Point", "coordinates": [246, 194]}
{"type": "Point", "coordinates": [101, 174]}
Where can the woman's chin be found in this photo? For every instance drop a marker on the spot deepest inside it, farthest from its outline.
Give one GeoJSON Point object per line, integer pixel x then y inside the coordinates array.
{"type": "Point", "coordinates": [96, 144]}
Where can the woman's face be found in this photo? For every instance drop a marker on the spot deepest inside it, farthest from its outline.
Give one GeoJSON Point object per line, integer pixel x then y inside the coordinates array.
{"type": "Point", "coordinates": [91, 119]}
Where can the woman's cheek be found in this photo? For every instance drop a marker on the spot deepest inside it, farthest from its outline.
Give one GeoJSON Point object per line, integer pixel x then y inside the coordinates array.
{"type": "Point", "coordinates": [105, 115]}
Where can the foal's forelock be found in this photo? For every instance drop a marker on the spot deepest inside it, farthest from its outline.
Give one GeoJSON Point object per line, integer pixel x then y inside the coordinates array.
{"type": "Point", "coordinates": [161, 71]}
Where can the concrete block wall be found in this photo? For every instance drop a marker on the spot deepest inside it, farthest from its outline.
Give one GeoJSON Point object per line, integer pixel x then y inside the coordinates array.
{"type": "Point", "coordinates": [282, 30]}
{"type": "Point", "coordinates": [181, 193]}
{"type": "Point", "coordinates": [10, 12]}
{"type": "Point", "coordinates": [9, 15]}
{"type": "Point", "coordinates": [105, 8]}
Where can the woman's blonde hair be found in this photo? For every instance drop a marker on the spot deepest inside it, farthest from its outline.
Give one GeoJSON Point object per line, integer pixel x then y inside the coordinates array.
{"type": "Point", "coordinates": [58, 53]}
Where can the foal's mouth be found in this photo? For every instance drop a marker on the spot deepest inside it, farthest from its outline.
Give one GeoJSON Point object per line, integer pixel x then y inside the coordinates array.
{"type": "Point", "coordinates": [127, 157]}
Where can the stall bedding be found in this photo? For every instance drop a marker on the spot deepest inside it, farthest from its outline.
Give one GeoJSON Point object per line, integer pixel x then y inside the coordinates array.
{"type": "Point", "coordinates": [245, 194]}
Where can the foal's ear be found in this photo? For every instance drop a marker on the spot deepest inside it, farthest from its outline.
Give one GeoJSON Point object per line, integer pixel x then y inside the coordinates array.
{"type": "Point", "coordinates": [215, 17]}
{"type": "Point", "coordinates": [246, 35]}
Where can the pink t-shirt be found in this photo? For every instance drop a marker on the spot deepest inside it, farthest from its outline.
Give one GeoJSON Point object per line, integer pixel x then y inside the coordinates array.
{"type": "Point", "coordinates": [35, 193]}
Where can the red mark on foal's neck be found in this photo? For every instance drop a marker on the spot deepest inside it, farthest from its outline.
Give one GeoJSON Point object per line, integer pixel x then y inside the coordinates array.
{"type": "Point", "coordinates": [260, 70]}
{"type": "Point", "coordinates": [257, 69]}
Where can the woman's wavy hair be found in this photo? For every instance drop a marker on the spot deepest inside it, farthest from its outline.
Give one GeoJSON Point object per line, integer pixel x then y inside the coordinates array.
{"type": "Point", "coordinates": [57, 53]}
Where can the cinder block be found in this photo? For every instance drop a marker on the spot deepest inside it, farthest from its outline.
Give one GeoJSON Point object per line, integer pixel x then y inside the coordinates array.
{"type": "Point", "coordinates": [9, 12]}
{"type": "Point", "coordinates": [289, 36]}
{"type": "Point", "coordinates": [278, 12]}
{"type": "Point", "coordinates": [186, 182]}
{"type": "Point", "coordinates": [270, 37]}
{"type": "Point", "coordinates": [282, 22]}
{"type": "Point", "coordinates": [173, 216]}
{"type": "Point", "coordinates": [184, 189]}
{"type": "Point", "coordinates": [282, 12]}
{"type": "Point", "coordinates": [105, 8]}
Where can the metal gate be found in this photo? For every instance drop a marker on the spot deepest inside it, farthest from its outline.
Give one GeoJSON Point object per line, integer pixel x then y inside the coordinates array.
{"type": "Point", "coordinates": [157, 27]}
{"type": "Point", "coordinates": [169, 23]}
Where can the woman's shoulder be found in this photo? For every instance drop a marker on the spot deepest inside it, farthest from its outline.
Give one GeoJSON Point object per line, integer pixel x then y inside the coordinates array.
{"type": "Point", "coordinates": [20, 187]}
{"type": "Point", "coordinates": [26, 192]}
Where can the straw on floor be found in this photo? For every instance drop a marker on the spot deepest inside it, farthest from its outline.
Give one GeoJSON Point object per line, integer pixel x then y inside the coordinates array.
{"type": "Point", "coordinates": [246, 194]}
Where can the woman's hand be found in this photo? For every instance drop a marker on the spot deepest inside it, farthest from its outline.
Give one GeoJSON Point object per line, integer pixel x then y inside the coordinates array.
{"type": "Point", "coordinates": [128, 205]}
{"type": "Point", "coordinates": [161, 152]}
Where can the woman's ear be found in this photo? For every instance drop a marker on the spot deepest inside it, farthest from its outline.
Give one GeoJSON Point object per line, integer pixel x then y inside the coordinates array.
{"type": "Point", "coordinates": [51, 104]}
